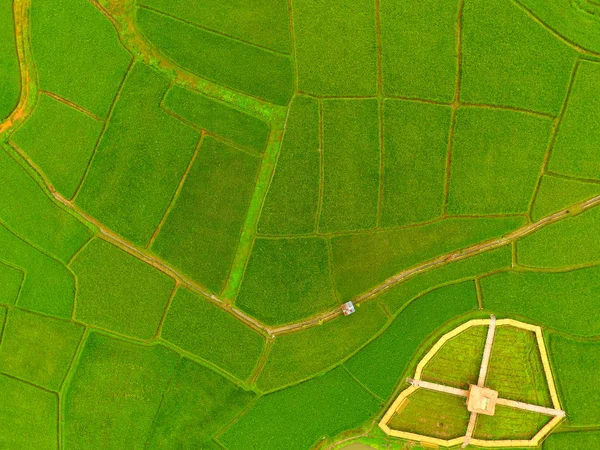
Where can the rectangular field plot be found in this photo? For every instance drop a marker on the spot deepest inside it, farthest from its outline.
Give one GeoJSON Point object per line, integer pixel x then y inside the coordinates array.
{"type": "Point", "coordinates": [26, 209]}
{"type": "Point", "coordinates": [351, 165]}
{"type": "Point", "coordinates": [385, 253]}
{"type": "Point", "coordinates": [556, 194]}
{"type": "Point", "coordinates": [11, 279]}
{"type": "Point", "coordinates": [287, 280]}
{"type": "Point", "coordinates": [583, 439]}
{"type": "Point", "coordinates": [115, 393]}
{"type": "Point", "coordinates": [302, 415]}
{"type": "Point", "coordinates": [205, 330]}
{"type": "Point", "coordinates": [515, 369]}
{"type": "Point", "coordinates": [508, 59]}
{"type": "Point", "coordinates": [298, 355]}
{"type": "Point", "coordinates": [510, 424]}
{"type": "Point", "coordinates": [434, 414]}
{"type": "Point", "coordinates": [218, 118]}
{"type": "Point", "coordinates": [139, 161]}
{"type": "Point", "coordinates": [10, 78]}
{"type": "Point", "coordinates": [291, 203]}
{"type": "Point", "coordinates": [336, 47]}
{"type": "Point", "coordinates": [575, 365]}
{"type": "Point", "coordinates": [60, 140]}
{"type": "Point", "coordinates": [38, 349]}
{"type": "Point", "coordinates": [428, 29]}
{"type": "Point", "coordinates": [380, 364]}
{"type": "Point", "coordinates": [119, 292]}
{"type": "Point", "coordinates": [570, 242]}
{"type": "Point", "coordinates": [28, 416]}
{"type": "Point", "coordinates": [414, 163]}
{"type": "Point", "coordinates": [197, 403]}
{"type": "Point", "coordinates": [558, 300]}
{"type": "Point", "coordinates": [226, 61]}
{"type": "Point", "coordinates": [497, 156]}
{"type": "Point", "coordinates": [575, 151]}
{"type": "Point", "coordinates": [92, 62]}
{"type": "Point", "coordinates": [201, 231]}
{"type": "Point", "coordinates": [262, 22]}
{"type": "Point", "coordinates": [47, 287]}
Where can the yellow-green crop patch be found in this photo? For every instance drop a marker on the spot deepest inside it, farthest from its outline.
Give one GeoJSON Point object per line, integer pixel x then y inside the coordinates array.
{"type": "Point", "coordinates": [556, 194]}
{"type": "Point", "coordinates": [496, 160]}
{"type": "Point", "coordinates": [292, 201]}
{"type": "Point", "coordinates": [60, 140]}
{"type": "Point", "coordinates": [38, 349]}
{"type": "Point", "coordinates": [205, 330]}
{"type": "Point", "coordinates": [11, 280]}
{"type": "Point", "coordinates": [140, 159]}
{"type": "Point", "coordinates": [10, 78]}
{"type": "Point", "coordinates": [202, 229]}
{"type": "Point", "coordinates": [119, 292]}
{"type": "Point", "coordinates": [509, 424]}
{"type": "Point", "coordinates": [414, 162]}
{"type": "Point", "coordinates": [92, 62]}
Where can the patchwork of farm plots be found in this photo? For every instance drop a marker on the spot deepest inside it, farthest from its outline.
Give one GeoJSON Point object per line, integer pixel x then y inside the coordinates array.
{"type": "Point", "coordinates": [189, 191]}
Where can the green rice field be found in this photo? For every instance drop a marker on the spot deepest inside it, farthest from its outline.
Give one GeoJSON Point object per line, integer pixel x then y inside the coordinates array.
{"type": "Point", "coordinates": [190, 190]}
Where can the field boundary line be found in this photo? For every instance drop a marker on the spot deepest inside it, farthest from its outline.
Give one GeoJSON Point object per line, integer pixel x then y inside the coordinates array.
{"type": "Point", "coordinates": [261, 362]}
{"type": "Point", "coordinates": [572, 178]}
{"type": "Point", "coordinates": [359, 384]}
{"type": "Point", "coordinates": [71, 104]}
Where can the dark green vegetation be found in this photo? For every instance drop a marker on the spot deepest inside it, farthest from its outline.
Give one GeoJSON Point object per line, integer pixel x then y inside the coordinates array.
{"type": "Point", "coordinates": [123, 187]}
{"type": "Point", "coordinates": [300, 416]}
{"type": "Point", "coordinates": [414, 171]}
{"type": "Point", "coordinates": [575, 364]}
{"type": "Point", "coordinates": [114, 287]}
{"type": "Point", "coordinates": [224, 60]}
{"type": "Point", "coordinates": [292, 200]}
{"type": "Point", "coordinates": [10, 78]}
{"type": "Point", "coordinates": [509, 423]}
{"type": "Point", "coordinates": [496, 159]}
{"type": "Point", "coordinates": [218, 118]}
{"type": "Point", "coordinates": [92, 63]}
{"type": "Point", "coordinates": [575, 152]}
{"type": "Point", "coordinates": [60, 140]}
{"type": "Point", "coordinates": [202, 229]}
{"type": "Point", "coordinates": [558, 300]}
{"type": "Point", "coordinates": [201, 328]}
{"type": "Point", "coordinates": [457, 363]}
{"type": "Point", "coordinates": [433, 414]}
{"type": "Point", "coordinates": [286, 280]}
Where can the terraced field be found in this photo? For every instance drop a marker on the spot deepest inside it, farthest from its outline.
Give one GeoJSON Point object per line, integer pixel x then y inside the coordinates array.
{"type": "Point", "coordinates": [189, 190]}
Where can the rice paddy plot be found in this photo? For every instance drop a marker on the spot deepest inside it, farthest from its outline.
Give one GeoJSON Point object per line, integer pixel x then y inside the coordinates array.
{"type": "Point", "coordinates": [299, 355]}
{"type": "Point", "coordinates": [218, 118]}
{"type": "Point", "coordinates": [581, 440]}
{"type": "Point", "coordinates": [38, 349]}
{"type": "Point", "coordinates": [576, 366]}
{"type": "Point", "coordinates": [292, 200]}
{"type": "Point", "coordinates": [223, 60]}
{"type": "Point", "coordinates": [570, 242]}
{"type": "Point", "coordinates": [10, 77]}
{"type": "Point", "coordinates": [198, 326]}
{"type": "Point", "coordinates": [28, 211]}
{"type": "Point", "coordinates": [114, 393]}
{"type": "Point", "coordinates": [287, 280]}
{"type": "Point", "coordinates": [60, 140]}
{"type": "Point", "coordinates": [140, 160]}
{"type": "Point", "coordinates": [414, 163]}
{"type": "Point", "coordinates": [557, 300]}
{"type": "Point", "coordinates": [510, 60]}
{"type": "Point", "coordinates": [336, 49]}
{"type": "Point", "coordinates": [201, 231]}
{"type": "Point", "coordinates": [47, 285]}
{"type": "Point", "coordinates": [496, 160]}
{"type": "Point", "coordinates": [429, 30]}
{"type": "Point", "coordinates": [556, 194]}
{"type": "Point", "coordinates": [11, 280]}
{"type": "Point", "coordinates": [385, 253]}
{"type": "Point", "coordinates": [509, 424]}
{"type": "Point", "coordinates": [381, 363]}
{"type": "Point", "coordinates": [92, 62]}
{"type": "Point", "coordinates": [28, 416]}
{"type": "Point", "coordinates": [262, 22]}
{"type": "Point", "coordinates": [119, 292]}
{"type": "Point", "coordinates": [197, 403]}
{"type": "Point", "coordinates": [302, 415]}
{"type": "Point", "coordinates": [575, 151]}
{"type": "Point", "coordinates": [351, 160]}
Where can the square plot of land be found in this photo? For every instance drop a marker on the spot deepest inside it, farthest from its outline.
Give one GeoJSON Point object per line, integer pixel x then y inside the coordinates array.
{"type": "Point", "coordinates": [482, 400]}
